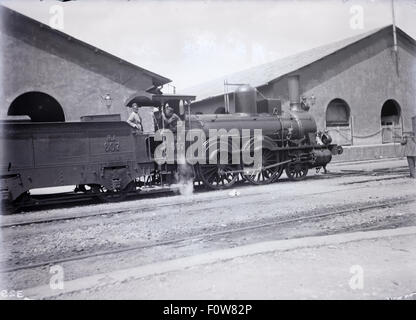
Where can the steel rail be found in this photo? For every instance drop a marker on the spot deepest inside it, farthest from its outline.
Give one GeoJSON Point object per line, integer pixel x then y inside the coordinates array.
{"type": "Point", "coordinates": [150, 207]}
{"type": "Point", "coordinates": [71, 198]}
{"type": "Point", "coordinates": [147, 208]}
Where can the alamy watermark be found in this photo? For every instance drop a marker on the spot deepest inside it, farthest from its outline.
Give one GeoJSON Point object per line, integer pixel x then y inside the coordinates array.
{"type": "Point", "coordinates": [56, 282]}
{"type": "Point", "coordinates": [56, 20]}
{"type": "Point", "coordinates": [357, 280]}
{"type": "Point", "coordinates": [357, 19]}
{"type": "Point", "coordinates": [221, 146]}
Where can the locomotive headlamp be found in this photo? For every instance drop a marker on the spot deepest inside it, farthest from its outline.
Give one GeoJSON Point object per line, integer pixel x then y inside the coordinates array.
{"type": "Point", "coordinates": [307, 102]}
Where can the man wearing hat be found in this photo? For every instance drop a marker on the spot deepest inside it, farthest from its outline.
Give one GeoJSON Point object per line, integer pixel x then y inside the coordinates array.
{"type": "Point", "coordinates": [134, 119]}
{"type": "Point", "coordinates": [170, 118]}
{"type": "Point", "coordinates": [409, 141]}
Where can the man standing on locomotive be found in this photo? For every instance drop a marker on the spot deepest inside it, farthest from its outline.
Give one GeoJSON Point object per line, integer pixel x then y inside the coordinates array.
{"type": "Point", "coordinates": [409, 142]}
{"type": "Point", "coordinates": [170, 118]}
{"type": "Point", "coordinates": [134, 119]}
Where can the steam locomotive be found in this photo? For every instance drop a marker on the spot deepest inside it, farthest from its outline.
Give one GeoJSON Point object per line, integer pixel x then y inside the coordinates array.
{"type": "Point", "coordinates": [290, 140]}
{"type": "Point", "coordinates": [110, 160]}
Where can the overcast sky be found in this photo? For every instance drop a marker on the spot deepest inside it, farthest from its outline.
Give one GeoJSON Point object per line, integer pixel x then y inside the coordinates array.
{"type": "Point", "coordinates": [194, 41]}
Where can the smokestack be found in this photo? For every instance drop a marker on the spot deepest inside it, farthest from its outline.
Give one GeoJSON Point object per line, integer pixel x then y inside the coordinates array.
{"type": "Point", "coordinates": [294, 95]}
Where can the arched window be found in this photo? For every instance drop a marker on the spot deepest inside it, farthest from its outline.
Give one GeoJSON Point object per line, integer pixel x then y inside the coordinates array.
{"type": "Point", "coordinates": [390, 113]}
{"type": "Point", "coordinates": [337, 113]}
{"type": "Point", "coordinates": [39, 106]}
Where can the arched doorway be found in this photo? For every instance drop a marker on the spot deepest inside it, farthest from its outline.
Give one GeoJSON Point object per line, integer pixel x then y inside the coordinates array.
{"type": "Point", "coordinates": [390, 121]}
{"type": "Point", "coordinates": [39, 106]}
{"type": "Point", "coordinates": [390, 113]}
{"type": "Point", "coordinates": [338, 121]}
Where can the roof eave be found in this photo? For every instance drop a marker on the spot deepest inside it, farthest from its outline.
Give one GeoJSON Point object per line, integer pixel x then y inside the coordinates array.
{"type": "Point", "coordinates": [269, 82]}
{"type": "Point", "coordinates": [156, 78]}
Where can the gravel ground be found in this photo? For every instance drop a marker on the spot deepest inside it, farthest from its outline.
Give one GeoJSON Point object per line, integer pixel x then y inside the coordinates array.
{"type": "Point", "coordinates": [142, 222]}
{"type": "Point", "coordinates": [316, 272]}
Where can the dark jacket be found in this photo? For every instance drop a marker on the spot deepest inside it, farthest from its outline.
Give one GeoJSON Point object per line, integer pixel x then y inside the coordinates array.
{"type": "Point", "coordinates": [410, 146]}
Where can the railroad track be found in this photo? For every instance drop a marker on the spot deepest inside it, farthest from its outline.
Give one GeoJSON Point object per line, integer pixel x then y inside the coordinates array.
{"type": "Point", "coordinates": [373, 180]}
{"type": "Point", "coordinates": [65, 199]}
{"type": "Point", "coordinates": [375, 172]}
{"type": "Point", "coordinates": [112, 212]}
{"type": "Point", "coordinates": [77, 198]}
{"type": "Point", "coordinates": [143, 209]}
{"type": "Point", "coordinates": [106, 213]}
{"type": "Point", "coordinates": [207, 235]}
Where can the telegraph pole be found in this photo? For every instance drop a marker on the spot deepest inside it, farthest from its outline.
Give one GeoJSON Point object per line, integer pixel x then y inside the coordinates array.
{"type": "Point", "coordinates": [395, 48]}
{"type": "Point", "coordinates": [393, 16]}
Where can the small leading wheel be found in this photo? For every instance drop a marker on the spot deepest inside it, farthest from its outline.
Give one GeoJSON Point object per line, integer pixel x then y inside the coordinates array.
{"type": "Point", "coordinates": [218, 176]}
{"type": "Point", "coordinates": [268, 175]}
{"type": "Point", "coordinates": [296, 171]}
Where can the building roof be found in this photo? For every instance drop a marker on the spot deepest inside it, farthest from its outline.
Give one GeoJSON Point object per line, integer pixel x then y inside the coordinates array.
{"type": "Point", "coordinates": [9, 17]}
{"type": "Point", "coordinates": [263, 74]}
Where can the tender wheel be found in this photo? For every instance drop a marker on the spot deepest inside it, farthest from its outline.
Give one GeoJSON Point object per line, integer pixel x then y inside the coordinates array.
{"type": "Point", "coordinates": [218, 176]}
{"type": "Point", "coordinates": [83, 188]}
{"type": "Point", "coordinates": [297, 171]}
{"type": "Point", "coordinates": [267, 175]}
{"type": "Point", "coordinates": [106, 195]}
{"type": "Point", "coordinates": [155, 177]}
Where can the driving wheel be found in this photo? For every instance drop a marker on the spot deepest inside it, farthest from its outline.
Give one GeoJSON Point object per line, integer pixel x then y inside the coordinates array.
{"type": "Point", "coordinates": [265, 176]}
{"type": "Point", "coordinates": [218, 176]}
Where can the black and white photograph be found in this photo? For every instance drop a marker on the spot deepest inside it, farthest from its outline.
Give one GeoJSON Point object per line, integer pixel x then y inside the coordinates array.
{"type": "Point", "coordinates": [208, 150]}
